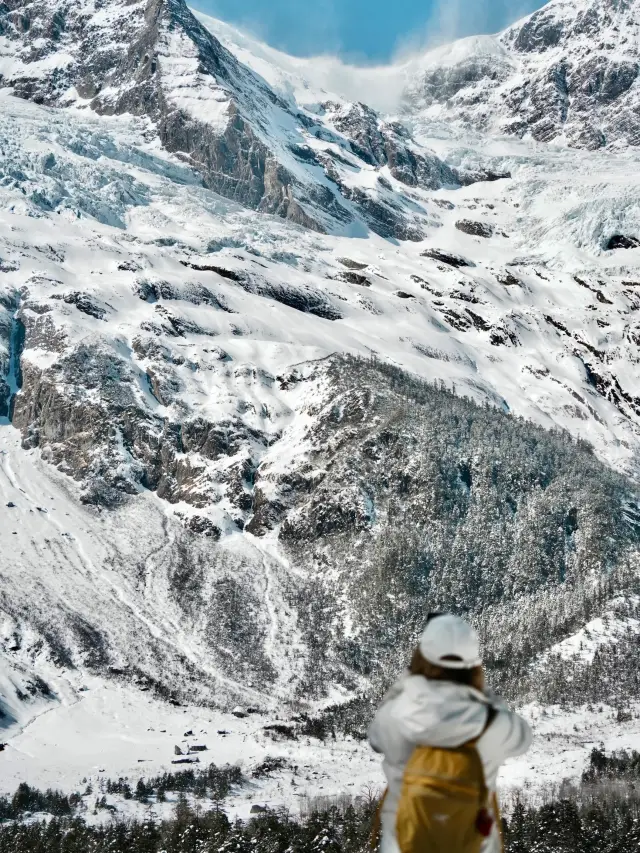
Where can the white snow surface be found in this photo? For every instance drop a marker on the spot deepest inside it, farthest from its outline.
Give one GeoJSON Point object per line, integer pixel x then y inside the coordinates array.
{"type": "Point", "coordinates": [101, 731]}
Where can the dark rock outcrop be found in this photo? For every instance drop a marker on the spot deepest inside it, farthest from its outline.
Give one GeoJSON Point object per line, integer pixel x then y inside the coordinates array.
{"type": "Point", "coordinates": [619, 241]}
{"type": "Point", "coordinates": [448, 258]}
{"type": "Point", "coordinates": [196, 294]}
{"type": "Point", "coordinates": [542, 31]}
{"type": "Point", "coordinates": [84, 302]}
{"type": "Point", "coordinates": [380, 143]}
{"type": "Point", "coordinates": [353, 278]}
{"type": "Point", "coordinates": [508, 279]}
{"type": "Point", "coordinates": [476, 229]}
{"type": "Point", "coordinates": [308, 300]}
{"type": "Point", "coordinates": [352, 265]}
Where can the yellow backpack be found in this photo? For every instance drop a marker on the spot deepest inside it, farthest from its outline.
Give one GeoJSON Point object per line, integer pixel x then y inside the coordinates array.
{"type": "Point", "coordinates": [445, 806]}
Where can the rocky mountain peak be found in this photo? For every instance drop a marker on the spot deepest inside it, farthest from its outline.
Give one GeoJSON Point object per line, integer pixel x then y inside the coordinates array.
{"type": "Point", "coordinates": [154, 59]}
{"type": "Point", "coordinates": [568, 72]}
{"type": "Point", "coordinates": [562, 24]}
{"type": "Point", "coordinates": [111, 55]}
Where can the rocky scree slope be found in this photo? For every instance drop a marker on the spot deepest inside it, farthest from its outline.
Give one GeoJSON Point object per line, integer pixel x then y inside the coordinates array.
{"type": "Point", "coordinates": [569, 72]}
{"type": "Point", "coordinates": [155, 60]}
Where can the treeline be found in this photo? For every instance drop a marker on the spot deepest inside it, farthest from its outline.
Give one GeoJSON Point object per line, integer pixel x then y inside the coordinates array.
{"type": "Point", "coordinates": [28, 800]}
{"type": "Point", "coordinates": [213, 783]}
{"type": "Point", "coordinates": [607, 823]}
{"type": "Point", "coordinates": [620, 765]}
{"type": "Point", "coordinates": [429, 501]}
{"type": "Point", "coordinates": [610, 824]}
{"type": "Point", "coordinates": [191, 831]}
{"type": "Point", "coordinates": [521, 631]}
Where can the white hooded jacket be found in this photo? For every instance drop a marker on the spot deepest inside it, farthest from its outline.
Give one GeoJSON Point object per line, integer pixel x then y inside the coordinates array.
{"type": "Point", "coordinates": [423, 712]}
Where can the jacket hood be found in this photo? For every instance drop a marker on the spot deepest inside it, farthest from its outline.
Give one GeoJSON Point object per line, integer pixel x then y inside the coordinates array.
{"type": "Point", "coordinates": [438, 713]}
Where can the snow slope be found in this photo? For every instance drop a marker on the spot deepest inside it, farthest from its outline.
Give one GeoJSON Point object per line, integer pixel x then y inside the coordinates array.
{"type": "Point", "coordinates": [106, 203]}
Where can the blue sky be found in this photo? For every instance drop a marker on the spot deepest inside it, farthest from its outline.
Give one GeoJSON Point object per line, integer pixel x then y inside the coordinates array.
{"type": "Point", "coordinates": [364, 30]}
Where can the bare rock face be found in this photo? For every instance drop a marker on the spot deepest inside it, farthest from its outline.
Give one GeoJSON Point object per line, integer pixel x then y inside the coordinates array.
{"type": "Point", "coordinates": [381, 143]}
{"type": "Point", "coordinates": [619, 241]}
{"type": "Point", "coordinates": [476, 229]}
{"type": "Point", "coordinates": [542, 31]}
{"type": "Point", "coordinates": [359, 123]}
{"type": "Point", "coordinates": [448, 258]}
{"type": "Point", "coordinates": [88, 416]}
{"type": "Point", "coordinates": [588, 96]}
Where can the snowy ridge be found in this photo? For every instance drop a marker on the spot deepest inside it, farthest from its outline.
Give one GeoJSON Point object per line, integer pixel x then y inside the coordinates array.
{"type": "Point", "coordinates": [567, 74]}
{"type": "Point", "coordinates": [248, 142]}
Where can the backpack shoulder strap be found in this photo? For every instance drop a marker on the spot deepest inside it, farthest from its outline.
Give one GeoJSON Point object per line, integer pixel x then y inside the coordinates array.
{"type": "Point", "coordinates": [492, 713]}
{"type": "Point", "coordinates": [484, 791]}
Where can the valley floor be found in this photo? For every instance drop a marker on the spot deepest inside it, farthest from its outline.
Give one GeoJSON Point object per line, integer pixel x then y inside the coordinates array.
{"type": "Point", "coordinates": [111, 731]}
{"type": "Point", "coordinates": [106, 731]}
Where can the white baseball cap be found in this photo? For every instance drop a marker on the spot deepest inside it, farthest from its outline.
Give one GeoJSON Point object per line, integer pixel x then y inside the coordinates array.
{"type": "Point", "coordinates": [451, 642]}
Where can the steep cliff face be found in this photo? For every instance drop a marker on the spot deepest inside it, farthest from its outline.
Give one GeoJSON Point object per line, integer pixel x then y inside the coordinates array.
{"type": "Point", "coordinates": [569, 73]}
{"type": "Point", "coordinates": [153, 59]}
{"type": "Point", "coordinates": [156, 61]}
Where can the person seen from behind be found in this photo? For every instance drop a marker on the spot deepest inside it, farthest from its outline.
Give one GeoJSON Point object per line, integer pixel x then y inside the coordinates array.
{"type": "Point", "coordinates": [443, 737]}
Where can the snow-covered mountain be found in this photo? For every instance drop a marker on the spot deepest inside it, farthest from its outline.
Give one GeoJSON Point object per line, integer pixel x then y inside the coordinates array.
{"type": "Point", "coordinates": [568, 73]}
{"type": "Point", "coordinates": [222, 282]}
{"type": "Point", "coordinates": [247, 141]}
